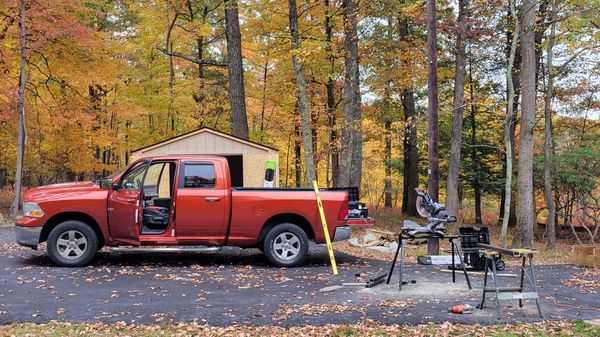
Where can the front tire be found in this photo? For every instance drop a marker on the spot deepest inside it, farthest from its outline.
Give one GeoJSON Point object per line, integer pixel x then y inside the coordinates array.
{"type": "Point", "coordinates": [286, 245]}
{"type": "Point", "coordinates": [72, 244]}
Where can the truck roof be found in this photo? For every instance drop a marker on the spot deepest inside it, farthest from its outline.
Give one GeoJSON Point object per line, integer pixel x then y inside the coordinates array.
{"type": "Point", "coordinates": [183, 156]}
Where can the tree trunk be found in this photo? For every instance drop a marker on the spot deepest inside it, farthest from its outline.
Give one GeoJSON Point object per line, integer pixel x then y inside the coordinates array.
{"type": "Point", "coordinates": [387, 149]}
{"type": "Point", "coordinates": [235, 70]}
{"type": "Point", "coordinates": [388, 164]}
{"type": "Point", "coordinates": [387, 136]}
{"type": "Point", "coordinates": [302, 95]}
{"type": "Point", "coordinates": [548, 141]}
{"type": "Point", "coordinates": [333, 149]}
{"type": "Point", "coordinates": [351, 156]}
{"type": "Point", "coordinates": [508, 126]}
{"type": "Point", "coordinates": [410, 153]}
{"type": "Point", "coordinates": [540, 29]}
{"type": "Point", "coordinates": [458, 104]}
{"type": "Point", "coordinates": [474, 154]}
{"type": "Point", "coordinates": [525, 204]}
{"type": "Point", "coordinates": [433, 177]}
{"type": "Point", "coordinates": [512, 36]}
{"type": "Point", "coordinates": [170, 131]}
{"type": "Point", "coordinates": [297, 148]}
{"type": "Point", "coordinates": [22, 134]}
{"type": "Point", "coordinates": [263, 105]}
{"type": "Point", "coordinates": [516, 77]}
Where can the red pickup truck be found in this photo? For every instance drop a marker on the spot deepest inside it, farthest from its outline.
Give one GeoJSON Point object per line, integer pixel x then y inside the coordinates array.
{"type": "Point", "coordinates": [176, 203]}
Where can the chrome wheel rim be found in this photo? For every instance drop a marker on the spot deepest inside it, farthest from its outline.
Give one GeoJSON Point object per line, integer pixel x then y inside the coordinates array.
{"type": "Point", "coordinates": [286, 246]}
{"type": "Point", "coordinates": [71, 244]}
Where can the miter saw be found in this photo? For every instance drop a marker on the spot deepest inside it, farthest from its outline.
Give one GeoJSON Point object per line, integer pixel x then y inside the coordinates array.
{"type": "Point", "coordinates": [435, 214]}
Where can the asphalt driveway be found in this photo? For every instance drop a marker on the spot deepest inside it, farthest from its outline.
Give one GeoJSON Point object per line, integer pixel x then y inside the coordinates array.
{"type": "Point", "coordinates": [237, 286]}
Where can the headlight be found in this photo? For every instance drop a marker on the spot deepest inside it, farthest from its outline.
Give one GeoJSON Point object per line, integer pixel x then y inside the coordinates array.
{"type": "Point", "coordinates": [33, 210]}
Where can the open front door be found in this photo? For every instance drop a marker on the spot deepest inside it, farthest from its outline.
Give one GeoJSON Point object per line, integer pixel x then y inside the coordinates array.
{"type": "Point", "coordinates": [124, 206]}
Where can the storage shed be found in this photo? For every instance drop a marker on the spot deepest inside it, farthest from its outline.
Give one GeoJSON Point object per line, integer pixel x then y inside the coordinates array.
{"type": "Point", "coordinates": [246, 159]}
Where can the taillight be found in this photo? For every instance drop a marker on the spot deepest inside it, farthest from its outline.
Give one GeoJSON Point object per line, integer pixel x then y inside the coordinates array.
{"type": "Point", "coordinates": [343, 215]}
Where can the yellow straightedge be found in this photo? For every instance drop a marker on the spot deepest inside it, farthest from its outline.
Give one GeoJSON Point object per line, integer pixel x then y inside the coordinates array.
{"type": "Point", "coordinates": [325, 229]}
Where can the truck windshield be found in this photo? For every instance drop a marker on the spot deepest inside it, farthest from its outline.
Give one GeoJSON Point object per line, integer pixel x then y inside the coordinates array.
{"type": "Point", "coordinates": [119, 172]}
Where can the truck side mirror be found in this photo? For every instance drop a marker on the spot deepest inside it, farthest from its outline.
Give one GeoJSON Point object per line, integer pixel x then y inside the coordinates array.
{"type": "Point", "coordinates": [107, 184]}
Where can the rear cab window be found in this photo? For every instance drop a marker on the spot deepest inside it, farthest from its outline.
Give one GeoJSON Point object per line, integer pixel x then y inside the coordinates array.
{"type": "Point", "coordinates": [197, 175]}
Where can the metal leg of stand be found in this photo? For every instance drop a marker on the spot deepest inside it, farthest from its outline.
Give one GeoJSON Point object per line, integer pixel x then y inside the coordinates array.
{"type": "Point", "coordinates": [453, 264]}
{"type": "Point", "coordinates": [522, 279]}
{"type": "Point", "coordinates": [534, 283]}
{"type": "Point", "coordinates": [485, 278]}
{"type": "Point", "coordinates": [394, 261]}
{"type": "Point", "coordinates": [401, 262]}
{"type": "Point", "coordinates": [460, 259]}
{"type": "Point", "coordinates": [495, 276]}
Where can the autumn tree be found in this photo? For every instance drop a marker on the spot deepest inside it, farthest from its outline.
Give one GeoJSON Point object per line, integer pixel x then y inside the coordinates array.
{"type": "Point", "coordinates": [548, 139]}
{"type": "Point", "coordinates": [302, 95]}
{"type": "Point", "coordinates": [351, 154]}
{"type": "Point", "coordinates": [331, 98]}
{"type": "Point", "coordinates": [21, 136]}
{"type": "Point", "coordinates": [509, 127]}
{"type": "Point", "coordinates": [433, 180]}
{"type": "Point", "coordinates": [237, 96]}
{"type": "Point", "coordinates": [452, 201]}
{"type": "Point", "coordinates": [410, 157]}
{"type": "Point", "coordinates": [526, 204]}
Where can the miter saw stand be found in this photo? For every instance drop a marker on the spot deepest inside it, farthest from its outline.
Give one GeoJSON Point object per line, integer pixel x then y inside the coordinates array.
{"type": "Point", "coordinates": [411, 231]}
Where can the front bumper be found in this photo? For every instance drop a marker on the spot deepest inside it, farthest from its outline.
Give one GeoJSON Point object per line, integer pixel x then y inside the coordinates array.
{"type": "Point", "coordinates": [28, 236]}
{"type": "Point", "coordinates": [342, 233]}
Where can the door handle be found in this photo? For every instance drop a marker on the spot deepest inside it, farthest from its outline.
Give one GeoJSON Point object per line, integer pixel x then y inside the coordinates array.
{"type": "Point", "coordinates": [212, 199]}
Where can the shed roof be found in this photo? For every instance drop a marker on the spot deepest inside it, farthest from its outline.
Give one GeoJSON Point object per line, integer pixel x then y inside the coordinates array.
{"type": "Point", "coordinates": [200, 131]}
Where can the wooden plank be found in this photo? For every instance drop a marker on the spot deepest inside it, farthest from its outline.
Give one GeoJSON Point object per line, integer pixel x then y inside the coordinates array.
{"type": "Point", "coordinates": [512, 252]}
{"type": "Point", "coordinates": [517, 296]}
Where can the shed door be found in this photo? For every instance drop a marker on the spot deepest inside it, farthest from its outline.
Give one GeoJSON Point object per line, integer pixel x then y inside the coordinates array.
{"type": "Point", "coordinates": [236, 169]}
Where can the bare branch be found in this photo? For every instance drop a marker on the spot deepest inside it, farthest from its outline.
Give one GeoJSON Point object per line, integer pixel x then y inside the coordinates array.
{"type": "Point", "coordinates": [193, 59]}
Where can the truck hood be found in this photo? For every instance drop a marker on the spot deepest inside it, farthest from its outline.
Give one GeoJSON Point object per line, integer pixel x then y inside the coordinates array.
{"type": "Point", "coordinates": [48, 192]}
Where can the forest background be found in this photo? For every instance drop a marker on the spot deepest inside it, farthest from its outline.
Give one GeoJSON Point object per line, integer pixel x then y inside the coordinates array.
{"type": "Point", "coordinates": [493, 105]}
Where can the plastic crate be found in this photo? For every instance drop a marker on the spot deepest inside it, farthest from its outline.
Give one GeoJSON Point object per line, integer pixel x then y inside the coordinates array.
{"type": "Point", "coordinates": [469, 240]}
{"type": "Point", "coordinates": [353, 192]}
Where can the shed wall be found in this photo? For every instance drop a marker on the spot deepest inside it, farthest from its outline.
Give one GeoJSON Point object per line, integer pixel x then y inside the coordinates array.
{"type": "Point", "coordinates": [207, 143]}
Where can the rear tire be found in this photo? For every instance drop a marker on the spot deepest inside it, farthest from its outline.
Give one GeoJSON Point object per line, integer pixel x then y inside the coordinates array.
{"type": "Point", "coordinates": [286, 245]}
{"type": "Point", "coordinates": [72, 244]}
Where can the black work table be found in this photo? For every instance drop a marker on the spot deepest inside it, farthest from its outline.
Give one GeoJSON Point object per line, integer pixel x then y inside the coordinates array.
{"type": "Point", "coordinates": [402, 240]}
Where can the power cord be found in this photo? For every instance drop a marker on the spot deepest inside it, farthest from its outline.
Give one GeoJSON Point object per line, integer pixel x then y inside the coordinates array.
{"type": "Point", "coordinates": [570, 306]}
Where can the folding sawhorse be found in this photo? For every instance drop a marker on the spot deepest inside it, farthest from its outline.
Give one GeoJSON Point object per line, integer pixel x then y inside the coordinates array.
{"type": "Point", "coordinates": [507, 293]}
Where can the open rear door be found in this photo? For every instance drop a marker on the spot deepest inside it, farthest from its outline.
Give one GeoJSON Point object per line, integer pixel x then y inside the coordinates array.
{"type": "Point", "coordinates": [124, 206]}
{"type": "Point", "coordinates": [203, 204]}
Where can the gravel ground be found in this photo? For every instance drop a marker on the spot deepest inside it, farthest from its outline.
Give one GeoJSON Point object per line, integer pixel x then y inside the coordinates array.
{"type": "Point", "coordinates": [237, 286]}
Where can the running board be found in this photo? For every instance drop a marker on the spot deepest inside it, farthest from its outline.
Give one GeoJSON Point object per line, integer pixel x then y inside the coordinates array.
{"type": "Point", "coordinates": [166, 249]}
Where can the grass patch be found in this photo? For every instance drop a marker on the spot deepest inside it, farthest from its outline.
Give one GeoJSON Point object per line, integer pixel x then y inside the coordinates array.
{"type": "Point", "coordinates": [367, 328]}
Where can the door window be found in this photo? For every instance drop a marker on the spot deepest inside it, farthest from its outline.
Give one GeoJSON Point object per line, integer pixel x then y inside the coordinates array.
{"type": "Point", "coordinates": [199, 176]}
{"type": "Point", "coordinates": [158, 180]}
{"type": "Point", "coordinates": [152, 179]}
{"type": "Point", "coordinates": [132, 180]}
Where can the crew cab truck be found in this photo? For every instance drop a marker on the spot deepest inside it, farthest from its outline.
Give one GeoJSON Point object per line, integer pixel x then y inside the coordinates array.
{"type": "Point", "coordinates": [177, 202]}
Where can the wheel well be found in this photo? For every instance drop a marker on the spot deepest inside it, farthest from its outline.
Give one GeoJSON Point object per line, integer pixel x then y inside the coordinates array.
{"type": "Point", "coordinates": [296, 219]}
{"type": "Point", "coordinates": [56, 219]}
